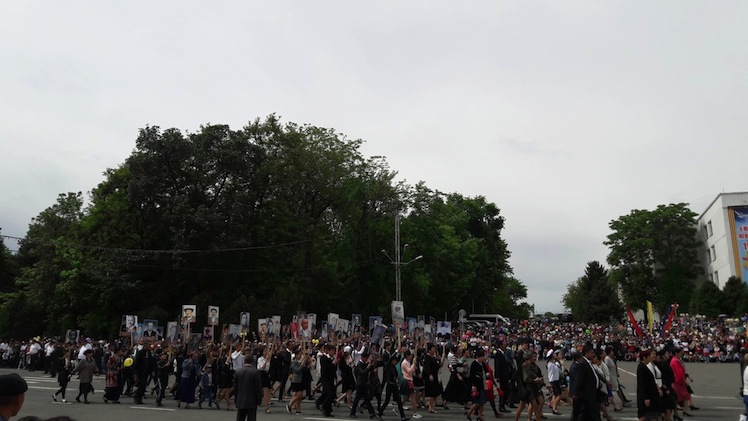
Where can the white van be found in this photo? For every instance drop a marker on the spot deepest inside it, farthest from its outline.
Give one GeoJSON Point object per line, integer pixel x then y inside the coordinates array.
{"type": "Point", "coordinates": [493, 318]}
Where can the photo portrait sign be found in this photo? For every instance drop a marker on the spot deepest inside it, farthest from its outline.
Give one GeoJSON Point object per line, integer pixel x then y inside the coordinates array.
{"type": "Point", "coordinates": [213, 315]}
{"type": "Point", "coordinates": [398, 312]}
{"type": "Point", "coordinates": [189, 313]}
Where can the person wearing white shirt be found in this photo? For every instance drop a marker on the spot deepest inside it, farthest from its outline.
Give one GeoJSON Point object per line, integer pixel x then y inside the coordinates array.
{"type": "Point", "coordinates": [263, 365]}
{"type": "Point", "coordinates": [82, 351]}
{"type": "Point", "coordinates": [237, 358]}
{"type": "Point", "coordinates": [356, 354]}
{"type": "Point", "coordinates": [49, 347]}
{"type": "Point", "coordinates": [554, 378]}
{"type": "Point", "coordinates": [34, 355]}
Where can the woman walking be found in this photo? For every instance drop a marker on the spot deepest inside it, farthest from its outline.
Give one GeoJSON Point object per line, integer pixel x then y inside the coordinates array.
{"type": "Point", "coordinates": [455, 390]}
{"type": "Point", "coordinates": [297, 385]}
{"type": "Point", "coordinates": [680, 385]}
{"type": "Point", "coordinates": [187, 385]}
{"type": "Point", "coordinates": [647, 392]}
{"type": "Point", "coordinates": [85, 369]}
{"type": "Point", "coordinates": [113, 385]}
{"type": "Point", "coordinates": [477, 385]}
{"type": "Point", "coordinates": [348, 382]}
{"type": "Point", "coordinates": [533, 382]}
{"type": "Point", "coordinates": [433, 387]}
{"type": "Point", "coordinates": [225, 380]}
{"type": "Point", "coordinates": [63, 374]}
{"type": "Point", "coordinates": [263, 365]}
{"type": "Point", "coordinates": [408, 368]}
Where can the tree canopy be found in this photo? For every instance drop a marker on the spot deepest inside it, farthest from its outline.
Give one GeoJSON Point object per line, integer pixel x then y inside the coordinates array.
{"type": "Point", "coordinates": [591, 298]}
{"type": "Point", "coordinates": [653, 255]}
{"type": "Point", "coordinates": [272, 218]}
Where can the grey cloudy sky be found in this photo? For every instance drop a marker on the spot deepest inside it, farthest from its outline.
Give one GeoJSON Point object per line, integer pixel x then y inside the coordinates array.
{"type": "Point", "coordinates": [566, 114]}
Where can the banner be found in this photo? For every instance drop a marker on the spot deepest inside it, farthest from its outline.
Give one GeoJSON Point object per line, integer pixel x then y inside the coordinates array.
{"type": "Point", "coordinates": [632, 319]}
{"type": "Point", "coordinates": [739, 227]}
{"type": "Point", "coordinates": [650, 316]}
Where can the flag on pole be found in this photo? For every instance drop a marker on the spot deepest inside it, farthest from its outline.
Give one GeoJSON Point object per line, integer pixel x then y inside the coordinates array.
{"type": "Point", "coordinates": [670, 317]}
{"type": "Point", "coordinates": [632, 319]}
{"type": "Point", "coordinates": [650, 316]}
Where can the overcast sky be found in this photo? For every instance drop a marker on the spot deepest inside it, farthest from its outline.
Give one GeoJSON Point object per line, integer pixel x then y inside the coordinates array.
{"type": "Point", "coordinates": [565, 114]}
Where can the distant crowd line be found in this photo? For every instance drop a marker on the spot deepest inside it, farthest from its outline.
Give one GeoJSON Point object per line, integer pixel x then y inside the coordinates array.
{"type": "Point", "coordinates": [405, 369]}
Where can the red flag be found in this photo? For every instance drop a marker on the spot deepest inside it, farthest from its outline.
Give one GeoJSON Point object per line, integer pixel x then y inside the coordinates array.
{"type": "Point", "coordinates": [633, 322]}
{"type": "Point", "coordinates": [670, 318]}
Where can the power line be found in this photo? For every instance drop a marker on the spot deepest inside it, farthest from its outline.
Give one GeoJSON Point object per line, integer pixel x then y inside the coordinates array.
{"type": "Point", "coordinates": [244, 270]}
{"type": "Point", "coordinates": [176, 251]}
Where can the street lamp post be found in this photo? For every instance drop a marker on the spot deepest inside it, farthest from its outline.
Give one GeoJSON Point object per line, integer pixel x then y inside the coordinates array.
{"type": "Point", "coordinates": [398, 263]}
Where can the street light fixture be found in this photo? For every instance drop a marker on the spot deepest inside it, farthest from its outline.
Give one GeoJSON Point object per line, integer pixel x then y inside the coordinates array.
{"type": "Point", "coordinates": [397, 261]}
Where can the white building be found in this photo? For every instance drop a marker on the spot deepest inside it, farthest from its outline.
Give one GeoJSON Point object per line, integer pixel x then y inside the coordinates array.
{"type": "Point", "coordinates": [723, 229]}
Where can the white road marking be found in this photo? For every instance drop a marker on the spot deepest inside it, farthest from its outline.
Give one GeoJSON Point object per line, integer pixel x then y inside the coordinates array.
{"type": "Point", "coordinates": [146, 408]}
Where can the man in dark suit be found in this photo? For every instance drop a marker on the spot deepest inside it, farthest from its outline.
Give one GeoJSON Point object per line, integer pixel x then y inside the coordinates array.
{"type": "Point", "coordinates": [285, 369]}
{"type": "Point", "coordinates": [247, 389]}
{"type": "Point", "coordinates": [142, 367]}
{"type": "Point", "coordinates": [585, 387]}
{"type": "Point", "coordinates": [327, 379]}
{"type": "Point", "coordinates": [503, 373]}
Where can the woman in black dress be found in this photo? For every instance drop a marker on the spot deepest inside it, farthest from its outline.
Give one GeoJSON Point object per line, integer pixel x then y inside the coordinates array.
{"type": "Point", "coordinates": [477, 385]}
{"type": "Point", "coordinates": [347, 381]}
{"type": "Point", "coordinates": [225, 379]}
{"type": "Point", "coordinates": [431, 367]}
{"type": "Point", "coordinates": [647, 392]}
{"type": "Point", "coordinates": [456, 390]}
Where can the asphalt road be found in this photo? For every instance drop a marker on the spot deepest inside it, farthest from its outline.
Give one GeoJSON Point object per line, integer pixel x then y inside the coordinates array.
{"type": "Point", "coordinates": [716, 386]}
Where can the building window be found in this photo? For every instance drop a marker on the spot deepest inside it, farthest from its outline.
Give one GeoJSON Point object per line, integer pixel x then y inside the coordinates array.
{"type": "Point", "coordinates": [716, 278]}
{"type": "Point", "coordinates": [714, 253]}
{"type": "Point", "coordinates": [711, 278]}
{"type": "Point", "coordinates": [709, 228]}
{"type": "Point", "coordinates": [708, 256]}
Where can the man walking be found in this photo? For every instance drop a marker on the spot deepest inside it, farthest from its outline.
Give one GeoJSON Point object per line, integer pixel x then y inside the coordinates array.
{"type": "Point", "coordinates": [248, 390]}
{"type": "Point", "coordinates": [327, 379]}
{"type": "Point", "coordinates": [142, 367]}
{"type": "Point", "coordinates": [585, 387]}
{"type": "Point", "coordinates": [503, 373]}
{"type": "Point", "coordinates": [362, 371]}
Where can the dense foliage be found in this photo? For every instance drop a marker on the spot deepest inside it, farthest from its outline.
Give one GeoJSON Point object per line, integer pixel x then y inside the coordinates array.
{"type": "Point", "coordinates": [272, 219]}
{"type": "Point", "coordinates": [591, 298]}
{"type": "Point", "coordinates": [653, 255]}
{"type": "Point", "coordinates": [710, 301]}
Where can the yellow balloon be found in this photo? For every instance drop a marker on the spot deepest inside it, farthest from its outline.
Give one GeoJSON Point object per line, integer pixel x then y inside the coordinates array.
{"type": "Point", "coordinates": [128, 362]}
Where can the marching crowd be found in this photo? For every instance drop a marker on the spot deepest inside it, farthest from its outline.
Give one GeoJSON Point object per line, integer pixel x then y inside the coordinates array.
{"type": "Point", "coordinates": [486, 363]}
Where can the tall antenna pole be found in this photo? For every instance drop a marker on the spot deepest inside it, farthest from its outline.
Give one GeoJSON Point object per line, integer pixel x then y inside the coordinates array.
{"type": "Point", "coordinates": [398, 263]}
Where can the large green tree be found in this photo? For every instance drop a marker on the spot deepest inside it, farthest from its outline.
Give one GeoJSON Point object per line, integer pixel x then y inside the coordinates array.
{"type": "Point", "coordinates": [734, 297]}
{"type": "Point", "coordinates": [591, 298]}
{"type": "Point", "coordinates": [272, 218]}
{"type": "Point", "coordinates": [654, 255]}
{"type": "Point", "coordinates": [707, 300]}
{"type": "Point", "coordinates": [465, 259]}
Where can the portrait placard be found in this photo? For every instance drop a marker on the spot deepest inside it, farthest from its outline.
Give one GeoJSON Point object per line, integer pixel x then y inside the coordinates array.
{"type": "Point", "coordinates": [213, 315]}
{"type": "Point", "coordinates": [189, 314]}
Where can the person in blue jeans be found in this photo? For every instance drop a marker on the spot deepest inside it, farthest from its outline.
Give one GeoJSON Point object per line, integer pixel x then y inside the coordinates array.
{"type": "Point", "coordinates": [206, 387]}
